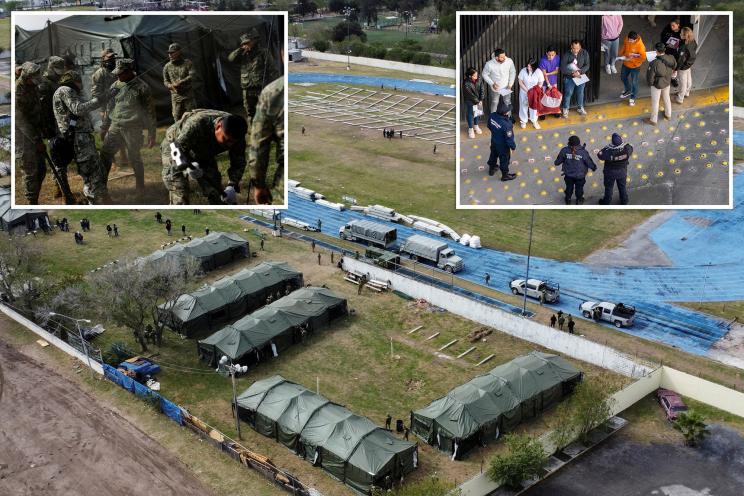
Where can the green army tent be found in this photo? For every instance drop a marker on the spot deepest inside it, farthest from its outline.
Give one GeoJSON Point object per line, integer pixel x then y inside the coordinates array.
{"type": "Point", "coordinates": [273, 328]}
{"type": "Point", "coordinates": [212, 251]}
{"type": "Point", "coordinates": [349, 447]}
{"type": "Point", "coordinates": [480, 410]}
{"type": "Point", "coordinates": [229, 298]}
{"type": "Point", "coordinates": [21, 220]}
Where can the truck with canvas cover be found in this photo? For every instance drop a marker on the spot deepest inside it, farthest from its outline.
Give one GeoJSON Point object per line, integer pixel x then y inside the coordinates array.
{"type": "Point", "coordinates": [370, 232]}
{"type": "Point", "coordinates": [431, 250]}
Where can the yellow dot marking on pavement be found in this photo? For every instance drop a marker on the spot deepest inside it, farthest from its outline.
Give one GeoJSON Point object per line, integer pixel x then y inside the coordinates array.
{"type": "Point", "coordinates": [543, 147]}
{"type": "Point", "coordinates": [650, 153]}
{"type": "Point", "coordinates": [552, 168]}
{"type": "Point", "coordinates": [539, 181]}
{"type": "Point", "coordinates": [625, 135]}
{"type": "Point", "coordinates": [608, 137]}
{"type": "Point", "coordinates": [475, 147]}
{"type": "Point", "coordinates": [555, 135]}
{"type": "Point", "coordinates": [528, 149]}
{"type": "Point", "coordinates": [660, 174]}
{"type": "Point", "coordinates": [708, 165]}
{"type": "Point", "coordinates": [656, 131]}
{"type": "Point", "coordinates": [471, 191]}
{"type": "Point", "coordinates": [540, 137]}
{"type": "Point", "coordinates": [561, 190]}
{"type": "Point", "coordinates": [604, 128]}
{"type": "Point", "coordinates": [489, 189]}
{"type": "Point", "coordinates": [522, 184]}
{"type": "Point", "coordinates": [696, 114]}
{"type": "Point", "coordinates": [687, 125]}
{"type": "Point", "coordinates": [462, 159]}
{"type": "Point", "coordinates": [492, 201]}
{"type": "Point", "coordinates": [698, 145]}
{"type": "Point", "coordinates": [591, 140]}
{"type": "Point", "coordinates": [559, 145]}
{"type": "Point", "coordinates": [701, 123]}
{"type": "Point", "coordinates": [543, 193]}
{"type": "Point", "coordinates": [572, 132]}
{"type": "Point", "coordinates": [473, 202]}
{"type": "Point", "coordinates": [619, 125]}
{"type": "Point", "coordinates": [713, 142]}
{"type": "Point", "coordinates": [678, 171]}
{"type": "Point", "coordinates": [526, 196]}
{"type": "Point", "coordinates": [627, 179]}
{"type": "Point", "coordinates": [682, 148]}
{"type": "Point", "coordinates": [635, 155]}
{"type": "Point", "coordinates": [703, 155]}
{"type": "Point", "coordinates": [671, 128]}
{"type": "Point", "coordinates": [719, 153]}
{"type": "Point", "coordinates": [478, 157]}
{"type": "Point", "coordinates": [556, 179]}
{"type": "Point", "coordinates": [485, 178]}
{"type": "Point", "coordinates": [590, 173]}
{"type": "Point", "coordinates": [506, 187]}
{"type": "Point", "coordinates": [639, 133]}
{"type": "Point", "coordinates": [468, 181]}
{"type": "Point", "coordinates": [672, 161]}
{"type": "Point", "coordinates": [688, 158]}
{"type": "Point", "coordinates": [524, 139]}
{"type": "Point", "coordinates": [519, 173]}
{"type": "Point", "coordinates": [635, 123]}
{"type": "Point", "coordinates": [724, 163]}
{"type": "Point", "coordinates": [644, 176]}
{"type": "Point", "coordinates": [594, 184]}
{"type": "Point", "coordinates": [510, 198]}
{"type": "Point", "coordinates": [639, 166]}
{"type": "Point", "coordinates": [726, 109]}
{"type": "Point", "coordinates": [535, 170]}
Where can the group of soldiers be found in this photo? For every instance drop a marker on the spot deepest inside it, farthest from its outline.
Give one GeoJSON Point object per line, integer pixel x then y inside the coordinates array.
{"type": "Point", "coordinates": [50, 106]}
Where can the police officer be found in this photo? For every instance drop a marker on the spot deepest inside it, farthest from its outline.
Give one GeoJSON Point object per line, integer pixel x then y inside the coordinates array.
{"type": "Point", "coordinates": [257, 69]}
{"type": "Point", "coordinates": [178, 76]}
{"type": "Point", "coordinates": [199, 136]}
{"type": "Point", "coordinates": [29, 147]}
{"type": "Point", "coordinates": [502, 142]}
{"type": "Point", "coordinates": [576, 162]}
{"type": "Point", "coordinates": [615, 157]}
{"type": "Point", "coordinates": [267, 127]}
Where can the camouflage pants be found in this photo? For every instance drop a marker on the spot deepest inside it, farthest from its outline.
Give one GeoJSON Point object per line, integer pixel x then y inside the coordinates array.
{"type": "Point", "coordinates": [90, 168]}
{"type": "Point", "coordinates": [31, 162]}
{"type": "Point", "coordinates": [177, 183]}
{"type": "Point", "coordinates": [181, 105]}
{"type": "Point", "coordinates": [250, 100]}
{"type": "Point", "coordinates": [131, 140]}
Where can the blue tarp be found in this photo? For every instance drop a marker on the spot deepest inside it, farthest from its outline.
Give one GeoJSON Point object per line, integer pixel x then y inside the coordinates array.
{"type": "Point", "coordinates": [168, 408]}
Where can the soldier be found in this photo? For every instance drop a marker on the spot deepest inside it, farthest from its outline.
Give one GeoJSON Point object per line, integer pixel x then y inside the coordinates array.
{"type": "Point", "coordinates": [615, 157]}
{"type": "Point", "coordinates": [178, 76]}
{"type": "Point", "coordinates": [103, 78]}
{"type": "Point", "coordinates": [502, 142]}
{"type": "Point", "coordinates": [268, 127]}
{"type": "Point", "coordinates": [561, 321]}
{"type": "Point", "coordinates": [28, 125]}
{"type": "Point", "coordinates": [571, 324]}
{"type": "Point", "coordinates": [130, 109]}
{"type": "Point", "coordinates": [72, 117]}
{"type": "Point", "coordinates": [553, 319]}
{"type": "Point", "coordinates": [199, 136]}
{"type": "Point", "coordinates": [48, 85]}
{"type": "Point", "coordinates": [256, 69]}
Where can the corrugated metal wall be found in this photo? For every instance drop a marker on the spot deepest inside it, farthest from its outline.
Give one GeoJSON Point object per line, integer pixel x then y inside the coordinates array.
{"type": "Point", "coordinates": [525, 36]}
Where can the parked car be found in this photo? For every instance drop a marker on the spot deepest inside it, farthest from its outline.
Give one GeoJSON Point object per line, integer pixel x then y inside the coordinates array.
{"type": "Point", "coordinates": [618, 314]}
{"type": "Point", "coordinates": [544, 291]}
{"type": "Point", "coordinates": [671, 403]}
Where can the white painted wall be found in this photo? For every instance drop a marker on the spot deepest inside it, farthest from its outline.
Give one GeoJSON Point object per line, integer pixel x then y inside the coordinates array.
{"type": "Point", "coordinates": [708, 392]}
{"type": "Point", "coordinates": [383, 64]}
{"type": "Point", "coordinates": [629, 396]}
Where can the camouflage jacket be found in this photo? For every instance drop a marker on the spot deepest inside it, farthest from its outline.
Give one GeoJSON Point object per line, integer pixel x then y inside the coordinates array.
{"type": "Point", "coordinates": [67, 102]}
{"type": "Point", "coordinates": [27, 112]}
{"type": "Point", "coordinates": [130, 105]}
{"type": "Point", "coordinates": [257, 67]}
{"type": "Point", "coordinates": [194, 135]}
{"type": "Point", "coordinates": [268, 126]}
{"type": "Point", "coordinates": [179, 71]}
{"type": "Point", "coordinates": [102, 80]}
{"type": "Point", "coordinates": [47, 87]}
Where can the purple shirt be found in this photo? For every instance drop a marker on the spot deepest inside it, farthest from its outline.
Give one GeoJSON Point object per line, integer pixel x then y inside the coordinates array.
{"type": "Point", "coordinates": [550, 66]}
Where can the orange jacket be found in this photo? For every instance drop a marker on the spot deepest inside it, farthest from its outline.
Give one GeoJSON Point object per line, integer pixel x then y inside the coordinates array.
{"type": "Point", "coordinates": [629, 47]}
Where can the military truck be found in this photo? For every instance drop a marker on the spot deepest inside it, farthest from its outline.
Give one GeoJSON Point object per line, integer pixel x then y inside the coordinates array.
{"type": "Point", "coordinates": [421, 248]}
{"type": "Point", "coordinates": [616, 313]}
{"type": "Point", "coordinates": [383, 258]}
{"type": "Point", "coordinates": [370, 232]}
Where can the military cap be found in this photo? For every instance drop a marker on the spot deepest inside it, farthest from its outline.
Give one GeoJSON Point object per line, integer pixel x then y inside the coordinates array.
{"type": "Point", "coordinates": [56, 64]}
{"type": "Point", "coordinates": [252, 34]}
{"type": "Point", "coordinates": [122, 65]}
{"type": "Point", "coordinates": [107, 53]}
{"type": "Point", "coordinates": [29, 69]}
{"type": "Point", "coordinates": [174, 47]}
{"type": "Point", "coordinates": [70, 77]}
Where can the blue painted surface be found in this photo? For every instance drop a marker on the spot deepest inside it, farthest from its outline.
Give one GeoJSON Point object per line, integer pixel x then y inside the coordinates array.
{"type": "Point", "coordinates": [376, 82]}
{"type": "Point", "coordinates": [739, 137]}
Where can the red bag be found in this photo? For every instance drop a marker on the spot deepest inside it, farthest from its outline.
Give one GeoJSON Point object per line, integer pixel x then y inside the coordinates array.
{"type": "Point", "coordinates": [551, 101]}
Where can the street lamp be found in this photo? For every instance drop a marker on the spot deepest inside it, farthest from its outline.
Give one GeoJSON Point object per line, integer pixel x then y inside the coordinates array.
{"type": "Point", "coordinates": [234, 369]}
{"type": "Point", "coordinates": [80, 333]}
{"type": "Point", "coordinates": [347, 13]}
{"type": "Point", "coordinates": [406, 17]}
{"type": "Point", "coordinates": [527, 274]}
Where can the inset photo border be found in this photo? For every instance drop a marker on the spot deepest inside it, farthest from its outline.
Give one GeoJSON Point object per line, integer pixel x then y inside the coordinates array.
{"type": "Point", "coordinates": [527, 151]}
{"type": "Point", "coordinates": [193, 77]}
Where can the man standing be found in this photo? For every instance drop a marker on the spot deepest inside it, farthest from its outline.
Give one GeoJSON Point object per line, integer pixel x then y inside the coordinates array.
{"type": "Point", "coordinates": [178, 76]}
{"type": "Point", "coordinates": [561, 321]}
{"type": "Point", "coordinates": [659, 78]}
{"type": "Point", "coordinates": [634, 52]}
{"type": "Point", "coordinates": [103, 78]}
{"type": "Point", "coordinates": [553, 319]}
{"type": "Point", "coordinates": [198, 137]}
{"type": "Point", "coordinates": [48, 85]}
{"type": "Point", "coordinates": [571, 324]}
{"type": "Point", "coordinates": [574, 64]}
{"type": "Point", "coordinates": [499, 73]}
{"type": "Point", "coordinates": [615, 157]}
{"type": "Point", "coordinates": [267, 128]}
{"type": "Point", "coordinates": [256, 69]}
{"type": "Point", "coordinates": [29, 147]}
{"type": "Point", "coordinates": [130, 109]}
{"type": "Point", "coordinates": [502, 143]}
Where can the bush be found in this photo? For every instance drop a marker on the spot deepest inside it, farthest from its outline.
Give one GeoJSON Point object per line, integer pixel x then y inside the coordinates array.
{"type": "Point", "coordinates": [321, 45]}
{"type": "Point", "coordinates": [345, 29]}
{"type": "Point", "coordinates": [357, 48]}
{"type": "Point", "coordinates": [422, 58]}
{"type": "Point", "coordinates": [524, 460]}
{"type": "Point", "coordinates": [117, 353]}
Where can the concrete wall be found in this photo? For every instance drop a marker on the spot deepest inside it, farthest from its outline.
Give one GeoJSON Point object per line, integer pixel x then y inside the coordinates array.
{"type": "Point", "coordinates": [384, 64]}
{"type": "Point", "coordinates": [562, 342]}
{"type": "Point", "coordinates": [629, 396]}
{"type": "Point", "coordinates": [707, 392]}
{"type": "Point", "coordinates": [51, 338]}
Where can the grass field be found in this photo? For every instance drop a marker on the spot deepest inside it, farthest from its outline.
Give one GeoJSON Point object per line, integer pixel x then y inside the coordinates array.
{"type": "Point", "coordinates": [5, 33]}
{"type": "Point", "coordinates": [728, 310]}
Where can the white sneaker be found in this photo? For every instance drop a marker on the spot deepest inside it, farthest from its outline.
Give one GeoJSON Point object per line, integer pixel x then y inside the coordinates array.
{"type": "Point", "coordinates": [523, 125]}
{"type": "Point", "coordinates": [536, 124]}
{"type": "Point", "coordinates": [608, 69]}
{"type": "Point", "coordinates": [614, 69]}
{"type": "Point", "coordinates": [565, 113]}
{"type": "Point", "coordinates": [471, 134]}
{"type": "Point", "coordinates": [477, 129]}
{"type": "Point", "coordinates": [631, 102]}
{"type": "Point", "coordinates": [581, 111]}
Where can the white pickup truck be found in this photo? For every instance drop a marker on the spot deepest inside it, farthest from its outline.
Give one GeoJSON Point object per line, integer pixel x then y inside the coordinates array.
{"type": "Point", "coordinates": [544, 291]}
{"type": "Point", "coordinates": [618, 314]}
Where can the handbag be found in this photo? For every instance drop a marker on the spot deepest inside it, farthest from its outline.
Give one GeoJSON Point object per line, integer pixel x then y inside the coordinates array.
{"type": "Point", "coordinates": [551, 98]}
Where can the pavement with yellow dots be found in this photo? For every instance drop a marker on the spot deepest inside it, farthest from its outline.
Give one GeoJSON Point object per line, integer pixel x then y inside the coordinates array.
{"type": "Point", "coordinates": [683, 161]}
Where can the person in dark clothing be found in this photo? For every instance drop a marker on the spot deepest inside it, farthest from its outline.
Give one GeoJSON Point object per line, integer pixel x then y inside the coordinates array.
{"type": "Point", "coordinates": [487, 278]}
{"type": "Point", "coordinates": [502, 142]}
{"type": "Point", "coordinates": [406, 431]}
{"type": "Point", "coordinates": [474, 93]}
{"type": "Point", "coordinates": [303, 130]}
{"type": "Point", "coordinates": [319, 224]}
{"type": "Point", "coordinates": [108, 229]}
{"type": "Point", "coordinates": [159, 217]}
{"type": "Point", "coordinates": [659, 79]}
{"type": "Point", "coordinates": [561, 321]}
{"type": "Point", "coordinates": [553, 319]}
{"type": "Point", "coordinates": [574, 64]}
{"type": "Point", "coordinates": [685, 59]}
{"type": "Point", "coordinates": [183, 229]}
{"type": "Point", "coordinates": [671, 37]}
{"type": "Point", "coordinates": [116, 230]}
{"type": "Point", "coordinates": [362, 283]}
{"type": "Point", "coordinates": [262, 244]}
{"type": "Point", "coordinates": [388, 421]}
{"type": "Point", "coordinates": [615, 157]}
{"type": "Point", "coordinates": [576, 161]}
{"type": "Point", "coordinates": [206, 231]}
{"type": "Point", "coordinates": [168, 226]}
{"type": "Point", "coordinates": [312, 245]}
{"type": "Point", "coordinates": [318, 258]}
{"type": "Point", "coordinates": [571, 325]}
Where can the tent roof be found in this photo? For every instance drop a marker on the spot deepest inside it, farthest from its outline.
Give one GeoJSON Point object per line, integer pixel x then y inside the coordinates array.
{"type": "Point", "coordinates": [10, 216]}
{"type": "Point", "coordinates": [201, 248]}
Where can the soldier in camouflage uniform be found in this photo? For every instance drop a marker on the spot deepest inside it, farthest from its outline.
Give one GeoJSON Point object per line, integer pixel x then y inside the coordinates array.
{"type": "Point", "coordinates": [129, 110]}
{"type": "Point", "coordinates": [69, 108]}
{"type": "Point", "coordinates": [256, 69]}
{"type": "Point", "coordinates": [178, 77]}
{"type": "Point", "coordinates": [103, 78]}
{"type": "Point", "coordinates": [201, 135]}
{"type": "Point", "coordinates": [268, 127]}
{"type": "Point", "coordinates": [28, 125]}
{"type": "Point", "coordinates": [47, 87]}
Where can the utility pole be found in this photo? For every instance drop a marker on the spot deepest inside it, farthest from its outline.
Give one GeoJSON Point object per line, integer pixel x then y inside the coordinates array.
{"type": "Point", "coordinates": [80, 334]}
{"type": "Point", "coordinates": [347, 13]}
{"type": "Point", "coordinates": [527, 273]}
{"type": "Point", "coordinates": [234, 369]}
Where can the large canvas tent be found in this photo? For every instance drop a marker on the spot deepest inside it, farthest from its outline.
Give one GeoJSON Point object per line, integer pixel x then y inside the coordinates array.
{"type": "Point", "coordinates": [478, 411]}
{"type": "Point", "coordinates": [228, 299]}
{"type": "Point", "coordinates": [21, 220]}
{"type": "Point", "coordinates": [212, 251]}
{"type": "Point", "coordinates": [206, 40]}
{"type": "Point", "coordinates": [349, 447]}
{"type": "Point", "coordinates": [273, 328]}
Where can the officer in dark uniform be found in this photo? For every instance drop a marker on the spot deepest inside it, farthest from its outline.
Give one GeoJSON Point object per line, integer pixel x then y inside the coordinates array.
{"type": "Point", "coordinates": [576, 162]}
{"type": "Point", "coordinates": [615, 157]}
{"type": "Point", "coordinates": [502, 141]}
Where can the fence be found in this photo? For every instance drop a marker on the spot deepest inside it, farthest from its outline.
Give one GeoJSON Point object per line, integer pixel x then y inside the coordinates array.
{"type": "Point", "coordinates": [383, 64]}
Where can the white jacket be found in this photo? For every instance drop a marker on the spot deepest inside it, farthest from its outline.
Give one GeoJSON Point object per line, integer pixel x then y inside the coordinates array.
{"type": "Point", "coordinates": [501, 73]}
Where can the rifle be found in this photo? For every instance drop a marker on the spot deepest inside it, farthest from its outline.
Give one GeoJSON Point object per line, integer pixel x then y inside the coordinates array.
{"type": "Point", "coordinates": [64, 186]}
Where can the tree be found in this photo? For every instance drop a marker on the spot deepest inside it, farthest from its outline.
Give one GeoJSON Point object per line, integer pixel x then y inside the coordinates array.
{"type": "Point", "coordinates": [347, 29]}
{"type": "Point", "coordinates": [588, 407]}
{"type": "Point", "coordinates": [431, 486]}
{"type": "Point", "coordinates": [305, 7]}
{"type": "Point", "coordinates": [692, 426]}
{"type": "Point", "coordinates": [20, 260]}
{"type": "Point", "coordinates": [524, 460]}
{"type": "Point", "coordinates": [337, 5]}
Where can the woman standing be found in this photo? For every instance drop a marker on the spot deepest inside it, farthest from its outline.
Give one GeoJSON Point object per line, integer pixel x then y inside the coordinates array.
{"type": "Point", "coordinates": [612, 26]}
{"type": "Point", "coordinates": [528, 77]}
{"type": "Point", "coordinates": [685, 60]}
{"type": "Point", "coordinates": [474, 94]}
{"type": "Point", "coordinates": [576, 163]}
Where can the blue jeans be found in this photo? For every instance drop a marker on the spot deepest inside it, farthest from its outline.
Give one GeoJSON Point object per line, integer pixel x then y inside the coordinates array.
{"type": "Point", "coordinates": [574, 182]}
{"type": "Point", "coordinates": [611, 53]}
{"type": "Point", "coordinates": [629, 77]}
{"type": "Point", "coordinates": [470, 114]}
{"type": "Point", "coordinates": [568, 90]}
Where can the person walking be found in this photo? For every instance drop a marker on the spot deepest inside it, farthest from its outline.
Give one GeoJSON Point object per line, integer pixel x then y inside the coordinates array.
{"type": "Point", "coordinates": [116, 231]}
{"type": "Point", "coordinates": [158, 217]}
{"type": "Point", "coordinates": [571, 325]}
{"type": "Point", "coordinates": [474, 93]}
{"type": "Point", "coordinates": [108, 230]}
{"type": "Point", "coordinates": [183, 229]}
{"type": "Point", "coordinates": [312, 245]}
{"type": "Point", "coordinates": [318, 258]}
{"type": "Point", "coordinates": [634, 53]}
{"type": "Point", "coordinates": [615, 157]}
{"type": "Point", "coordinates": [659, 78]}
{"type": "Point", "coordinates": [502, 142]}
{"type": "Point", "coordinates": [362, 283]}
{"type": "Point", "coordinates": [685, 59]}
{"type": "Point", "coordinates": [499, 74]}
{"type": "Point", "coordinates": [561, 321]}
{"type": "Point", "coordinates": [206, 231]}
{"type": "Point", "coordinates": [319, 224]}
{"type": "Point", "coordinates": [576, 162]}
{"type": "Point", "coordinates": [612, 26]}
{"type": "Point", "coordinates": [487, 278]}
{"type": "Point", "coordinates": [574, 64]}
{"type": "Point", "coordinates": [168, 226]}
{"type": "Point", "coordinates": [529, 77]}
{"type": "Point", "coordinates": [553, 319]}
{"type": "Point", "coordinates": [262, 244]}
{"type": "Point", "coordinates": [388, 421]}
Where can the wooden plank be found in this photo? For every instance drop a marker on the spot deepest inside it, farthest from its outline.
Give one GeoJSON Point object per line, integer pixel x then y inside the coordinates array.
{"type": "Point", "coordinates": [448, 344]}
{"type": "Point", "coordinates": [466, 352]}
{"type": "Point", "coordinates": [486, 359]}
{"type": "Point", "coordinates": [432, 336]}
{"type": "Point", "coordinates": [415, 329]}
